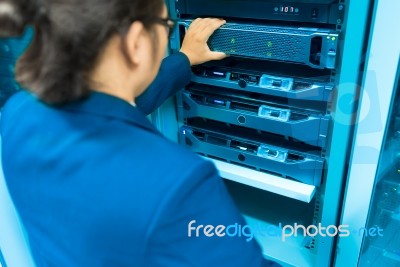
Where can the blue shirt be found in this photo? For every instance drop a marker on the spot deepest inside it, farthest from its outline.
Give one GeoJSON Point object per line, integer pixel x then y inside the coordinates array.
{"type": "Point", "coordinates": [96, 184]}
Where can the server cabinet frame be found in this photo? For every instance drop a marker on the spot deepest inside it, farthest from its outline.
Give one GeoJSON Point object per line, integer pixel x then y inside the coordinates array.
{"type": "Point", "coordinates": [353, 48]}
{"type": "Point", "coordinates": [379, 89]}
{"type": "Point", "coordinates": [328, 197]}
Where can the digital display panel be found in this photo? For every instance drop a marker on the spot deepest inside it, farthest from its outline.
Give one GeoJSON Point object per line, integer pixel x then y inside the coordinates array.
{"type": "Point", "coordinates": [287, 9]}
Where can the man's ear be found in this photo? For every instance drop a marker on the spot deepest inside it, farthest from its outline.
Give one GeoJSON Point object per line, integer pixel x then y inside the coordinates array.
{"type": "Point", "coordinates": [133, 41]}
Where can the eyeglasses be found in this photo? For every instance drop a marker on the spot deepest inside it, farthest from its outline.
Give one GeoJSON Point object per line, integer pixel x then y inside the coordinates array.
{"type": "Point", "coordinates": [168, 23]}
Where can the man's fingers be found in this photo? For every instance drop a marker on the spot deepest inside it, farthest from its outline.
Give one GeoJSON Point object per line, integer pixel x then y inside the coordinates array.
{"type": "Point", "coordinates": [200, 24]}
{"type": "Point", "coordinates": [217, 56]}
{"type": "Point", "coordinates": [204, 28]}
{"type": "Point", "coordinates": [212, 26]}
{"type": "Point", "coordinates": [195, 42]}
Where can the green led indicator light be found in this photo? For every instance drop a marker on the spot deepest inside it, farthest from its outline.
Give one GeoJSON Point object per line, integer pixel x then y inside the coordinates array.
{"type": "Point", "coordinates": [333, 38]}
{"type": "Point", "coordinates": [328, 37]}
{"type": "Point", "coordinates": [233, 41]}
{"type": "Point", "coordinates": [269, 44]}
{"type": "Point", "coordinates": [269, 54]}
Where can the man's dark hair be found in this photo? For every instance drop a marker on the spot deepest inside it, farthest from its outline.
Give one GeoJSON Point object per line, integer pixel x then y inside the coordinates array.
{"type": "Point", "coordinates": [69, 36]}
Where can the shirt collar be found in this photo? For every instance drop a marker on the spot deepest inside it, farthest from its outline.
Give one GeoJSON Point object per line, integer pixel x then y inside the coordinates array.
{"type": "Point", "coordinates": [105, 105]}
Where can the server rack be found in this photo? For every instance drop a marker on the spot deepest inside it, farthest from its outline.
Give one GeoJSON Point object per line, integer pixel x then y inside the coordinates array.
{"type": "Point", "coordinates": [238, 92]}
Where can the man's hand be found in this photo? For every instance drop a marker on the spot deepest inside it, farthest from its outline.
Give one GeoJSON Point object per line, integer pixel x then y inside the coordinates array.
{"type": "Point", "coordinates": [195, 46]}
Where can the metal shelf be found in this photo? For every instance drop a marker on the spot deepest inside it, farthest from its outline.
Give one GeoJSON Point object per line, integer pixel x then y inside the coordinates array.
{"type": "Point", "coordinates": [265, 181]}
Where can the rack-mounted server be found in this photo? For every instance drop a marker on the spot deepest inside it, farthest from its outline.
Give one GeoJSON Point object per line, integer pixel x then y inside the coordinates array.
{"type": "Point", "coordinates": [304, 11]}
{"type": "Point", "coordinates": [315, 47]}
{"type": "Point", "coordinates": [267, 81]}
{"type": "Point", "coordinates": [308, 126]}
{"type": "Point", "coordinates": [264, 153]}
